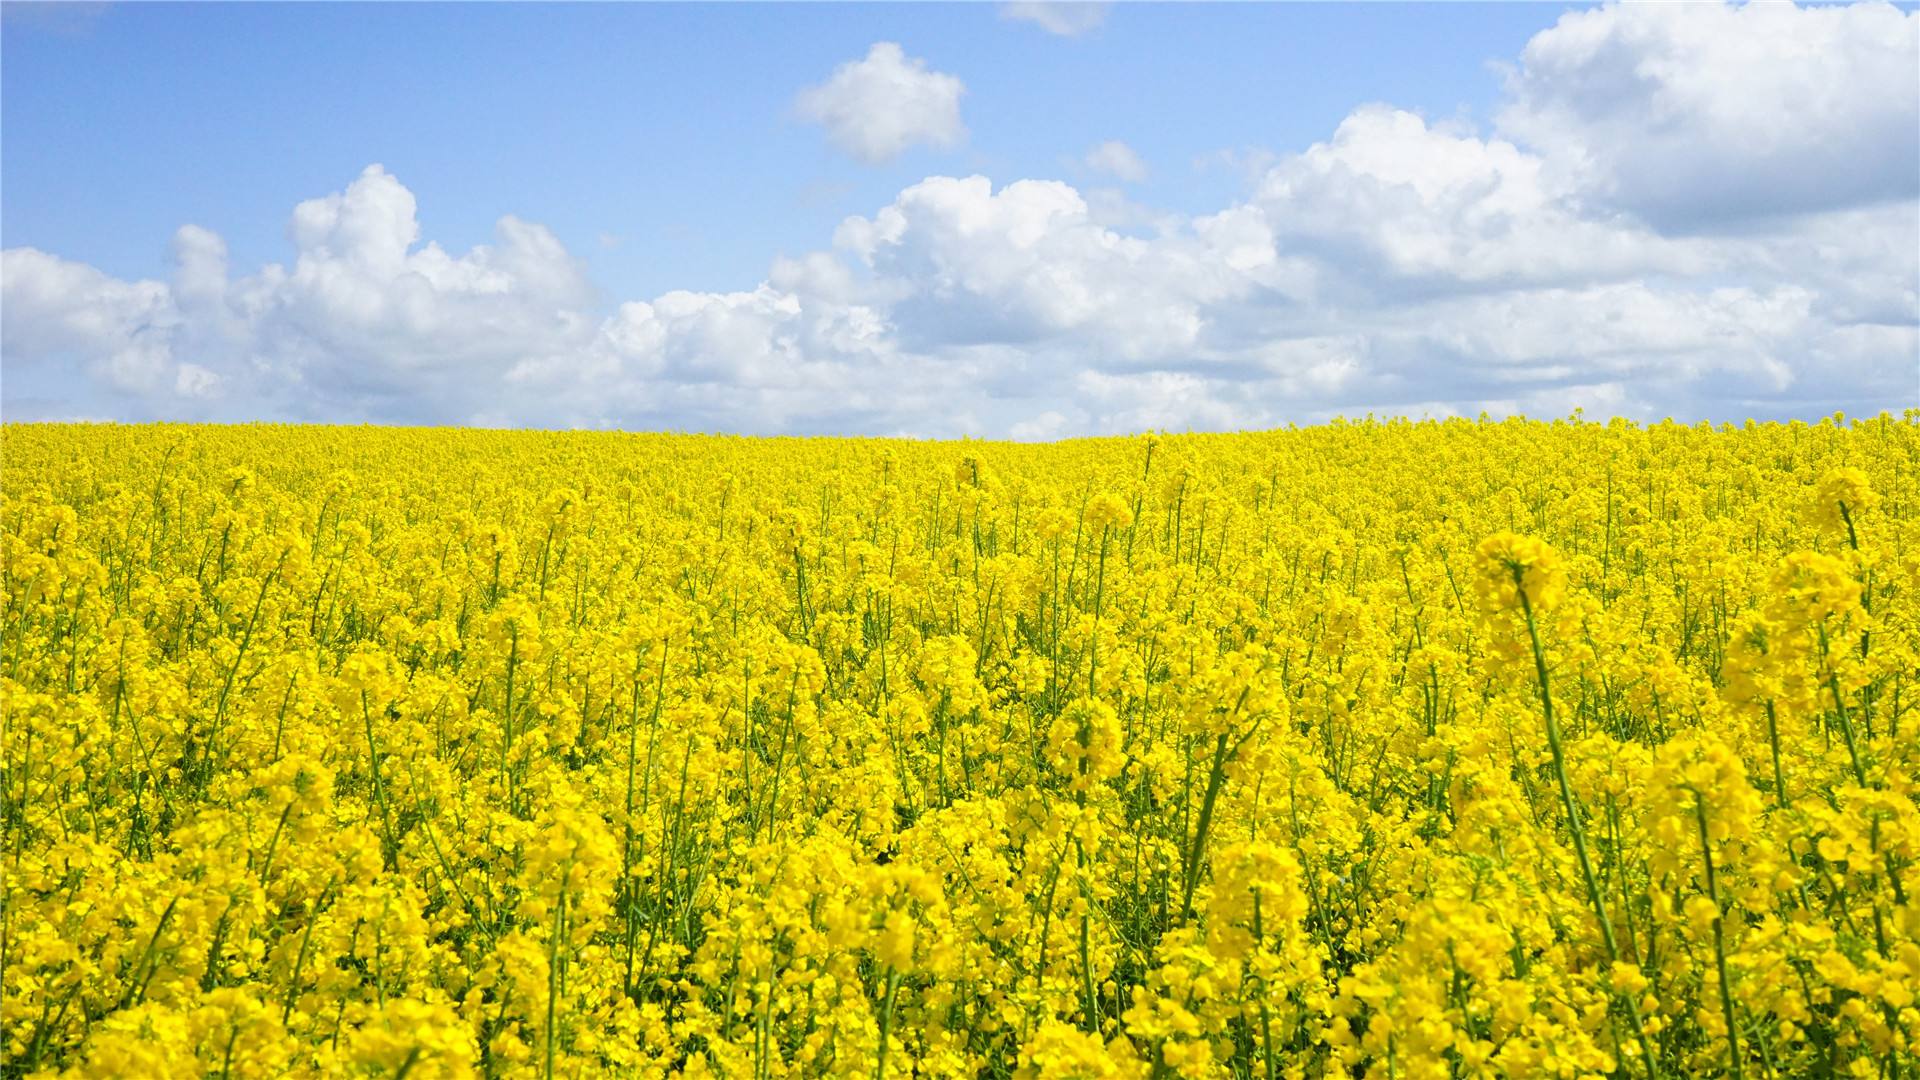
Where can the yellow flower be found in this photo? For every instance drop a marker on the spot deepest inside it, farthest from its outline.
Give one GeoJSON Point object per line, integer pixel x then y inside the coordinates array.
{"type": "Point", "coordinates": [1060, 1051]}
{"type": "Point", "coordinates": [1841, 499]}
{"type": "Point", "coordinates": [593, 754]}
{"type": "Point", "coordinates": [1107, 511]}
{"type": "Point", "coordinates": [1509, 566]}
{"type": "Point", "coordinates": [893, 945]}
{"type": "Point", "coordinates": [1084, 743]}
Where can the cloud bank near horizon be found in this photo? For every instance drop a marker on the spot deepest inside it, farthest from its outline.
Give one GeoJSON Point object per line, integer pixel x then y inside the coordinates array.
{"type": "Point", "coordinates": [1688, 211]}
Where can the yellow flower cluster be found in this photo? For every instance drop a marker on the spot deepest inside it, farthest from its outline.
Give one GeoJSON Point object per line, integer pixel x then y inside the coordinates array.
{"type": "Point", "coordinates": [1389, 749]}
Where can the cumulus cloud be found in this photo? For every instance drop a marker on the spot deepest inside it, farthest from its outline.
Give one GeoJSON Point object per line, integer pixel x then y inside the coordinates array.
{"type": "Point", "coordinates": [366, 312]}
{"type": "Point", "coordinates": [957, 262]}
{"type": "Point", "coordinates": [1393, 201]}
{"type": "Point", "coordinates": [365, 315]}
{"type": "Point", "coordinates": [877, 107]}
{"type": "Point", "coordinates": [1698, 115]}
{"type": "Point", "coordinates": [1067, 19]}
{"type": "Point", "coordinates": [1398, 265]}
{"type": "Point", "coordinates": [1116, 159]}
{"type": "Point", "coordinates": [68, 315]}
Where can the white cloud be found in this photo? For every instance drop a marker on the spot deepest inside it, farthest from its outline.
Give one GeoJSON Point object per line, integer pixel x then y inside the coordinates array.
{"type": "Point", "coordinates": [1694, 115]}
{"type": "Point", "coordinates": [1168, 401]}
{"type": "Point", "coordinates": [1067, 19]}
{"type": "Point", "coordinates": [876, 108]}
{"type": "Point", "coordinates": [54, 305]}
{"type": "Point", "coordinates": [364, 319]}
{"type": "Point", "coordinates": [367, 313]}
{"type": "Point", "coordinates": [1117, 159]}
{"type": "Point", "coordinates": [1628, 330]}
{"type": "Point", "coordinates": [115, 333]}
{"type": "Point", "coordinates": [1391, 199]}
{"type": "Point", "coordinates": [961, 263]}
{"type": "Point", "coordinates": [194, 381]}
{"type": "Point", "coordinates": [1048, 425]}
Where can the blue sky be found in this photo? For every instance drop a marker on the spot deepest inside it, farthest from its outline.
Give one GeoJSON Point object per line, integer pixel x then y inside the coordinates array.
{"type": "Point", "coordinates": [1479, 164]}
{"type": "Point", "coordinates": [667, 126]}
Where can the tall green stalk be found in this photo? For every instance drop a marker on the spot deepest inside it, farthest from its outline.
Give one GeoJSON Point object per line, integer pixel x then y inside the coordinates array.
{"type": "Point", "coordinates": [1574, 824]}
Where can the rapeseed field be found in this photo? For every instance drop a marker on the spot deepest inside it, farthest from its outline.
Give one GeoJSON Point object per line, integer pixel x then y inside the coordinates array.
{"type": "Point", "coordinates": [1455, 749]}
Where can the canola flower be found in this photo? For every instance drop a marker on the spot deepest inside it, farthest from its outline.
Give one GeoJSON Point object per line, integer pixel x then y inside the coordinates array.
{"type": "Point", "coordinates": [1398, 749]}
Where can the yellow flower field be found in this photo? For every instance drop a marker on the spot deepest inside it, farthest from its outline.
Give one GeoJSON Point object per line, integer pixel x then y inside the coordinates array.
{"type": "Point", "coordinates": [1387, 749]}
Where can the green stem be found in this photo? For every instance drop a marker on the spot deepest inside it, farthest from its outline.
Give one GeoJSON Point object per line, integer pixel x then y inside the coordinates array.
{"type": "Point", "coordinates": [1573, 816]}
{"type": "Point", "coordinates": [1719, 936]}
{"type": "Point", "coordinates": [886, 1024]}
